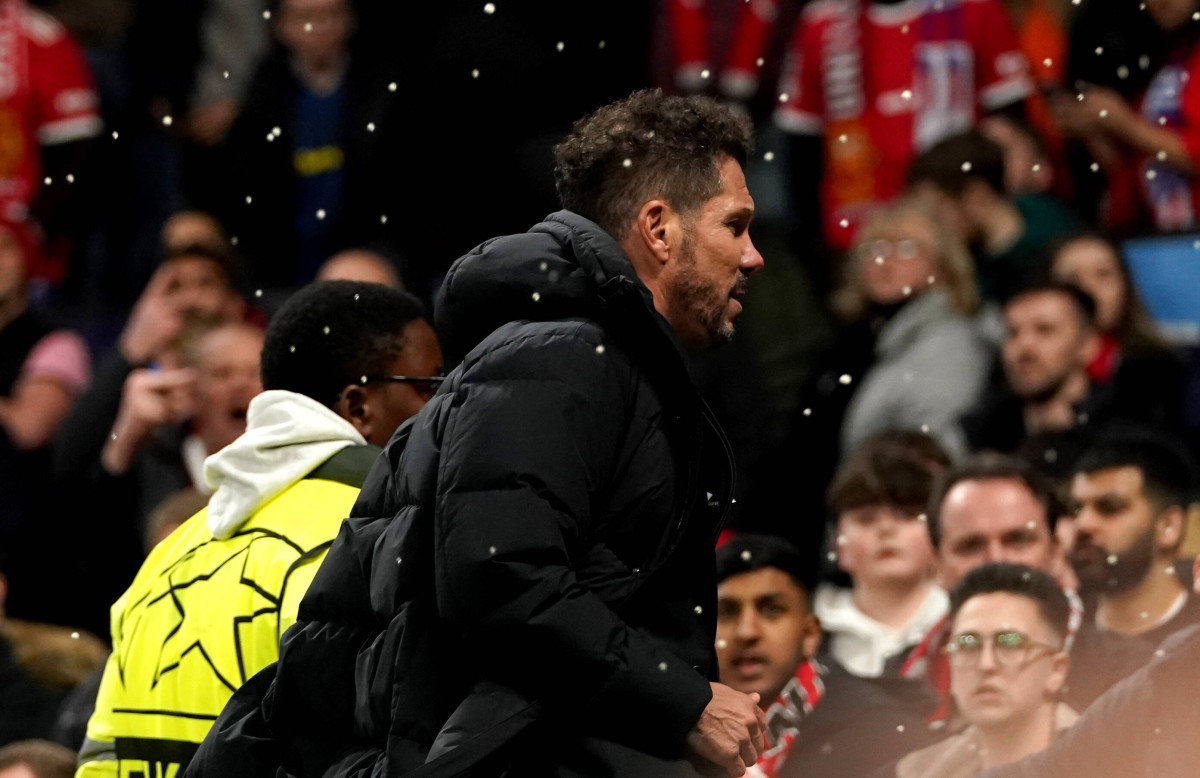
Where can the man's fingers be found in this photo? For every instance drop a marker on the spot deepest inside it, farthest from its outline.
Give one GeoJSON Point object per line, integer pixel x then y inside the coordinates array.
{"type": "Point", "coordinates": [748, 755]}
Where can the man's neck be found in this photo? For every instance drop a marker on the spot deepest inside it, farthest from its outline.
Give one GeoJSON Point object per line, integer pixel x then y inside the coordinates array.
{"type": "Point", "coordinates": [1001, 745]}
{"type": "Point", "coordinates": [1003, 228]}
{"type": "Point", "coordinates": [320, 77]}
{"type": "Point", "coordinates": [893, 605]}
{"type": "Point", "coordinates": [1143, 607]}
{"type": "Point", "coordinates": [1058, 411]}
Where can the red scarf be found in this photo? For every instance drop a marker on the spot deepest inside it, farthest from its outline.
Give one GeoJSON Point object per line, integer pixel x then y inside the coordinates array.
{"type": "Point", "coordinates": [784, 717]}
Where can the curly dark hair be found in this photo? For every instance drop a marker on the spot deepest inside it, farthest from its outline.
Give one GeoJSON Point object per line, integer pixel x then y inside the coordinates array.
{"type": "Point", "coordinates": [646, 146]}
{"type": "Point", "coordinates": [330, 333]}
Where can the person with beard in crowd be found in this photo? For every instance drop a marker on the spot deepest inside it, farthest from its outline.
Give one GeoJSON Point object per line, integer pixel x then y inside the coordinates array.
{"type": "Point", "coordinates": [1047, 400]}
{"type": "Point", "coordinates": [1132, 489]}
{"type": "Point", "coordinates": [526, 583]}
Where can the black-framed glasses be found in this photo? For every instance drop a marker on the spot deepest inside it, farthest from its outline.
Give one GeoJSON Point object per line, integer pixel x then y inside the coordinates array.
{"type": "Point", "coordinates": [1010, 648]}
{"type": "Point", "coordinates": [425, 385]}
{"type": "Point", "coordinates": [429, 380]}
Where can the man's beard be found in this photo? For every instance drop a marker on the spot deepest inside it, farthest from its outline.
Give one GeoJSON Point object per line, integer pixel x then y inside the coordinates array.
{"type": "Point", "coordinates": [1106, 574]}
{"type": "Point", "coordinates": [700, 302]}
{"type": "Point", "coordinates": [1044, 391]}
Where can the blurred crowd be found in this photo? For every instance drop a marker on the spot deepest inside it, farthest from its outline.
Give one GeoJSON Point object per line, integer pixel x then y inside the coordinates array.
{"type": "Point", "coordinates": [949, 360]}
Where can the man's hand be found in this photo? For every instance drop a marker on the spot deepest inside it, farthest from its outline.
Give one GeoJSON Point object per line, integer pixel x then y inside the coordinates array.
{"type": "Point", "coordinates": [150, 398]}
{"type": "Point", "coordinates": [730, 731]}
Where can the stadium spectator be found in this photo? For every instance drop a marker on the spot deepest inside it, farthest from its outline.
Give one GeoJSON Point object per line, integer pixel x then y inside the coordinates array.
{"type": "Point", "coordinates": [1144, 371]}
{"type": "Point", "coordinates": [913, 280]}
{"type": "Point", "coordinates": [817, 712]}
{"type": "Point", "coordinates": [964, 175]}
{"type": "Point", "coordinates": [879, 497]}
{"type": "Point", "coordinates": [1008, 664]}
{"type": "Point", "coordinates": [344, 364]}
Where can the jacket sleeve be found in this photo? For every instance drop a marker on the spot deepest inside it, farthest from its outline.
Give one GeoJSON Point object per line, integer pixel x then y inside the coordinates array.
{"type": "Point", "coordinates": [532, 440]}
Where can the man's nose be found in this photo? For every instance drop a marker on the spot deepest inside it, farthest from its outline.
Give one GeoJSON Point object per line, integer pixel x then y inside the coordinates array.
{"type": "Point", "coordinates": [752, 261]}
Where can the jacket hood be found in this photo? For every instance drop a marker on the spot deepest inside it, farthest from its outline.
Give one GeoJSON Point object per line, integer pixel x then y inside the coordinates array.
{"type": "Point", "coordinates": [566, 266]}
{"type": "Point", "coordinates": [287, 436]}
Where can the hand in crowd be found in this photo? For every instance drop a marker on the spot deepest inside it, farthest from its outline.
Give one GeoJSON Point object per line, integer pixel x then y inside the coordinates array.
{"type": "Point", "coordinates": [160, 313]}
{"type": "Point", "coordinates": [731, 731]}
{"type": "Point", "coordinates": [150, 398]}
{"type": "Point", "coordinates": [1101, 111]}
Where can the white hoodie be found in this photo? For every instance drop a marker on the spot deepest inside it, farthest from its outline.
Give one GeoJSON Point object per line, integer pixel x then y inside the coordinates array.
{"type": "Point", "coordinates": [287, 436]}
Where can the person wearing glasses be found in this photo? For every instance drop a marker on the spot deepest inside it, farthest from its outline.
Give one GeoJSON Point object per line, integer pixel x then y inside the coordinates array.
{"type": "Point", "coordinates": [912, 282]}
{"type": "Point", "coordinates": [343, 364]}
{"type": "Point", "coordinates": [1008, 666]}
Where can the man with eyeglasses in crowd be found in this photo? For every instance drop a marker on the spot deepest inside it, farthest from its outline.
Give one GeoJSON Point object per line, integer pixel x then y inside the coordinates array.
{"type": "Point", "coordinates": [1008, 664]}
{"type": "Point", "coordinates": [343, 365]}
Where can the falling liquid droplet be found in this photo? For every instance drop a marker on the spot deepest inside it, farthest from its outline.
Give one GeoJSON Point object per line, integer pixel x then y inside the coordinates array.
{"type": "Point", "coordinates": [489, 8]}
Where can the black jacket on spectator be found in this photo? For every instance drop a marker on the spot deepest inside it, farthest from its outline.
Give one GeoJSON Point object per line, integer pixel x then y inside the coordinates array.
{"type": "Point", "coordinates": [861, 725]}
{"type": "Point", "coordinates": [527, 580]}
{"type": "Point", "coordinates": [261, 188]}
{"type": "Point", "coordinates": [1144, 726]}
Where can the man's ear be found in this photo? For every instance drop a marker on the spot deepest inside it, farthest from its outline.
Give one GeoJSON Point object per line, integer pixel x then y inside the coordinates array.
{"type": "Point", "coordinates": [654, 229]}
{"type": "Point", "coordinates": [810, 639]}
{"type": "Point", "coordinates": [1169, 527]}
{"type": "Point", "coordinates": [354, 406]}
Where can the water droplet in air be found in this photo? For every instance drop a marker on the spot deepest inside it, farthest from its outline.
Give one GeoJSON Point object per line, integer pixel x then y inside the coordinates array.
{"type": "Point", "coordinates": [770, 155]}
{"type": "Point", "coordinates": [489, 8]}
{"type": "Point", "coordinates": [746, 555]}
{"type": "Point", "coordinates": [627, 162]}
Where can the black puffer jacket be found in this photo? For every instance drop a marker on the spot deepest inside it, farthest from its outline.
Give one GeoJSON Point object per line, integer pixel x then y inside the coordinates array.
{"type": "Point", "coordinates": [530, 568]}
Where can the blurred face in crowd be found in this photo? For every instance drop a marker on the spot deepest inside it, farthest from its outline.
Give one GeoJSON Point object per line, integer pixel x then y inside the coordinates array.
{"type": "Point", "coordinates": [764, 631]}
{"type": "Point", "coordinates": [192, 228]}
{"type": "Point", "coordinates": [1001, 681]}
{"type": "Point", "coordinates": [1117, 532]}
{"type": "Point", "coordinates": [897, 259]}
{"type": "Point", "coordinates": [993, 520]}
{"type": "Point", "coordinates": [12, 267]}
{"type": "Point", "coordinates": [703, 286]}
{"type": "Point", "coordinates": [393, 402]}
{"type": "Point", "coordinates": [227, 378]}
{"type": "Point", "coordinates": [1048, 344]}
{"type": "Point", "coordinates": [1170, 14]}
{"type": "Point", "coordinates": [198, 287]}
{"type": "Point", "coordinates": [315, 31]}
{"type": "Point", "coordinates": [1093, 266]}
{"type": "Point", "coordinates": [883, 544]}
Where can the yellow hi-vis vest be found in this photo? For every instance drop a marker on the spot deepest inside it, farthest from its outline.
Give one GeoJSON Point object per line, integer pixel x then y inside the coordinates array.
{"type": "Point", "coordinates": [202, 616]}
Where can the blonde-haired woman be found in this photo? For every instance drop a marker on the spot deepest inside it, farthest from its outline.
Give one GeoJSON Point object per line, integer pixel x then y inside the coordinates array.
{"type": "Point", "coordinates": [929, 363]}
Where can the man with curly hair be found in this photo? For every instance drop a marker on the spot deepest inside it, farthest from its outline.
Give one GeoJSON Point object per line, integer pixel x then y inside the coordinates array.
{"type": "Point", "coordinates": [529, 588]}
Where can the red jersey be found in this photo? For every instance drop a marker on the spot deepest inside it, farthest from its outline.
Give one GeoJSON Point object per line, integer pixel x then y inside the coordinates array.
{"type": "Point", "coordinates": [885, 82]}
{"type": "Point", "coordinates": [46, 96]}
